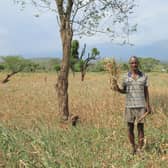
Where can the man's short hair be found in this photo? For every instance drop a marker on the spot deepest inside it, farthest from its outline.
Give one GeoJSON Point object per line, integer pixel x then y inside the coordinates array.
{"type": "Point", "coordinates": [135, 57]}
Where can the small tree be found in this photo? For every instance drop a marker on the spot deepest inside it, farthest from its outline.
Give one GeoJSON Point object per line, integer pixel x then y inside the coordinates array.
{"type": "Point", "coordinates": [14, 64]}
{"type": "Point", "coordinates": [85, 62]}
{"type": "Point", "coordinates": [74, 57]}
{"type": "Point", "coordinates": [81, 63]}
{"type": "Point", "coordinates": [2, 66]}
{"type": "Point", "coordinates": [53, 64]}
{"type": "Point", "coordinates": [57, 67]}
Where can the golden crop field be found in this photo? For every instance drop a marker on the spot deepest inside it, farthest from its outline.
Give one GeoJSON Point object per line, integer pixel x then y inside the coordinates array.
{"type": "Point", "coordinates": [28, 104]}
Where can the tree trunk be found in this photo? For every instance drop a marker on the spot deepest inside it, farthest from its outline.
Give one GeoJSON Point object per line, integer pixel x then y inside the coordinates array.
{"type": "Point", "coordinates": [82, 75]}
{"type": "Point", "coordinates": [8, 76]}
{"type": "Point", "coordinates": [62, 82]}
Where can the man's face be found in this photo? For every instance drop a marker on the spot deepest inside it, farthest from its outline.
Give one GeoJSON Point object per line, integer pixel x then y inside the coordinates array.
{"type": "Point", "coordinates": [134, 64]}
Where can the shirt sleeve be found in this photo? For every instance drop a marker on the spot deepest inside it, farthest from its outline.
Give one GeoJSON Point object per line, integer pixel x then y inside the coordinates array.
{"type": "Point", "coordinates": [146, 80]}
{"type": "Point", "coordinates": [123, 82]}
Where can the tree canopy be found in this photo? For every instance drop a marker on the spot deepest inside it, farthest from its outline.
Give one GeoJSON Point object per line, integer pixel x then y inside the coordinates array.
{"type": "Point", "coordinates": [87, 17]}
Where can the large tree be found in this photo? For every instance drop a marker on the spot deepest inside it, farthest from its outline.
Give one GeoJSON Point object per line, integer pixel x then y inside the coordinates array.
{"type": "Point", "coordinates": [85, 17]}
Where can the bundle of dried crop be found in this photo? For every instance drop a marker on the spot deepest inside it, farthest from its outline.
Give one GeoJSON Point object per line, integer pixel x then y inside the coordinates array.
{"type": "Point", "coordinates": [113, 69]}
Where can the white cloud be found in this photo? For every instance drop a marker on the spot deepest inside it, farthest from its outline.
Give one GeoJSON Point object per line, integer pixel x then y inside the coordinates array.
{"type": "Point", "coordinates": [152, 22]}
{"type": "Point", "coordinates": [21, 32]}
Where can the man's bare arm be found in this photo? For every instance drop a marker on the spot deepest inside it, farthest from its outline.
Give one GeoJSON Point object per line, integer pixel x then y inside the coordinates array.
{"type": "Point", "coordinates": [120, 90]}
{"type": "Point", "coordinates": [146, 91]}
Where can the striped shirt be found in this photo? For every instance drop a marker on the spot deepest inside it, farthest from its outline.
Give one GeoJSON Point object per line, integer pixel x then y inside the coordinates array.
{"type": "Point", "coordinates": [134, 88]}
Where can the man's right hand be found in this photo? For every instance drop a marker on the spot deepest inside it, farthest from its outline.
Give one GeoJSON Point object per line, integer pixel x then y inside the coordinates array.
{"type": "Point", "coordinates": [114, 84]}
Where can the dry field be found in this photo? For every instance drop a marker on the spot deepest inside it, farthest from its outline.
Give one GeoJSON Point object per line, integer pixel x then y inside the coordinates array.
{"type": "Point", "coordinates": [31, 135]}
{"type": "Point", "coordinates": [28, 98]}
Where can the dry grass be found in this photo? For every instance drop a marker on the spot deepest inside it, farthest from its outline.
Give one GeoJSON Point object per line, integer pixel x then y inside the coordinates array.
{"type": "Point", "coordinates": [27, 98]}
{"type": "Point", "coordinates": [31, 97]}
{"type": "Point", "coordinates": [29, 101]}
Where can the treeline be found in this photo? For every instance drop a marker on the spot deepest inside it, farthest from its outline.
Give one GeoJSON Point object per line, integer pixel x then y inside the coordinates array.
{"type": "Point", "coordinates": [149, 64]}
{"type": "Point", "coordinates": [81, 61]}
{"type": "Point", "coordinates": [18, 64]}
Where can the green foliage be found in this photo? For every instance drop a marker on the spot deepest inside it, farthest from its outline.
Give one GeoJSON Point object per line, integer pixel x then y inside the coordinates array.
{"type": "Point", "coordinates": [148, 64]}
{"type": "Point", "coordinates": [2, 67]}
{"type": "Point", "coordinates": [124, 66]}
{"type": "Point", "coordinates": [98, 66]}
{"type": "Point", "coordinates": [46, 64]}
{"type": "Point", "coordinates": [77, 62]}
{"type": "Point", "coordinates": [18, 64]}
{"type": "Point", "coordinates": [159, 68]}
{"type": "Point", "coordinates": [81, 63]}
{"type": "Point", "coordinates": [95, 52]}
{"type": "Point", "coordinates": [78, 66]}
{"type": "Point", "coordinates": [31, 66]}
{"type": "Point", "coordinates": [57, 67]}
{"type": "Point", "coordinates": [14, 63]}
{"type": "Point", "coordinates": [84, 146]}
{"type": "Point", "coordinates": [54, 64]}
{"type": "Point", "coordinates": [74, 57]}
{"type": "Point", "coordinates": [74, 49]}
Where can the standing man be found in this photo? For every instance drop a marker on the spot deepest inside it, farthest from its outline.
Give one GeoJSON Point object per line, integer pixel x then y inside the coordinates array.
{"type": "Point", "coordinates": [135, 86]}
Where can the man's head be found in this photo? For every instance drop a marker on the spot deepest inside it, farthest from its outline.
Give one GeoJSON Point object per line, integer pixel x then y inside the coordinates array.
{"type": "Point", "coordinates": [133, 61]}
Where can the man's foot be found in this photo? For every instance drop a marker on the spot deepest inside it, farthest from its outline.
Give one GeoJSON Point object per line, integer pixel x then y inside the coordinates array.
{"type": "Point", "coordinates": [139, 151]}
{"type": "Point", "coordinates": [133, 151]}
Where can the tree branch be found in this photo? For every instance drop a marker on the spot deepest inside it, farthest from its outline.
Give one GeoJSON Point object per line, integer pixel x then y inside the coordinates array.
{"type": "Point", "coordinates": [60, 8]}
{"type": "Point", "coordinates": [69, 8]}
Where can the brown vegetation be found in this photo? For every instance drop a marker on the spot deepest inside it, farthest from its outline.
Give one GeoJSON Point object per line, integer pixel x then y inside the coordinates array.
{"type": "Point", "coordinates": [33, 98]}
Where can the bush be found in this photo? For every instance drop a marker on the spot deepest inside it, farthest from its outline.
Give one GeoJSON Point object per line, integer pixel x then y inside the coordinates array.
{"type": "Point", "coordinates": [2, 67]}
{"type": "Point", "coordinates": [57, 67]}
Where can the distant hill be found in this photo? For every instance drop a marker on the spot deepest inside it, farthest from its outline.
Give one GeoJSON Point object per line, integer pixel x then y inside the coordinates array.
{"type": "Point", "coordinates": [41, 59]}
{"type": "Point", "coordinates": [47, 63]}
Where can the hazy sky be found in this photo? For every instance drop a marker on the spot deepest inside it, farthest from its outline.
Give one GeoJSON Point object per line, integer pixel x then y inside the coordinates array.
{"type": "Point", "coordinates": [23, 34]}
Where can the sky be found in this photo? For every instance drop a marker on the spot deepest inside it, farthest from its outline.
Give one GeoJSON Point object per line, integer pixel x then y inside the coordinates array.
{"type": "Point", "coordinates": [21, 33]}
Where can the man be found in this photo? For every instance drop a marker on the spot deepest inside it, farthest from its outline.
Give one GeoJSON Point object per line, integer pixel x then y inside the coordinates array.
{"type": "Point", "coordinates": [135, 86]}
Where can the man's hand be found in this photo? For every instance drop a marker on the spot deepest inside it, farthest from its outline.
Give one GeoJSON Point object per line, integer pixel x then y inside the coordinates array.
{"type": "Point", "coordinates": [114, 84]}
{"type": "Point", "coordinates": [148, 109]}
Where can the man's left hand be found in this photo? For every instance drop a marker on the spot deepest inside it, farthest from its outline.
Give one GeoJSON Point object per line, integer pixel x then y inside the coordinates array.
{"type": "Point", "coordinates": [148, 109]}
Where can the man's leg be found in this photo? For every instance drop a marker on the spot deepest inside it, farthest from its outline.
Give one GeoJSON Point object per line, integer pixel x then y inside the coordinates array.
{"type": "Point", "coordinates": [131, 136]}
{"type": "Point", "coordinates": [140, 127]}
